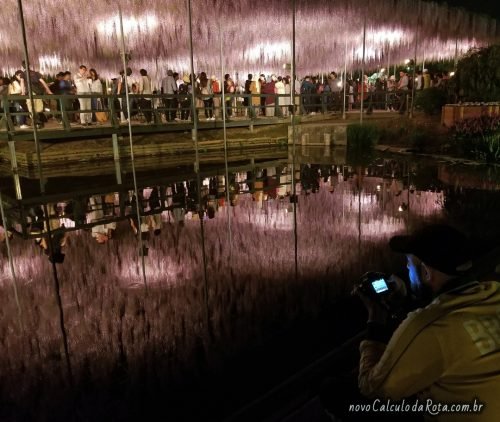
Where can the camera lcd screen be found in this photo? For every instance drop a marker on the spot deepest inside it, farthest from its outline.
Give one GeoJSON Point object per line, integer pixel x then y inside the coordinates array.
{"type": "Point", "coordinates": [380, 285]}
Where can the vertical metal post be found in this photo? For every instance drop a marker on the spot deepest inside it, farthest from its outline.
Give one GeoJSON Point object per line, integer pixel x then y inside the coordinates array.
{"type": "Point", "coordinates": [194, 133]}
{"type": "Point", "coordinates": [363, 73]}
{"type": "Point", "coordinates": [15, 173]}
{"type": "Point", "coordinates": [224, 112]}
{"type": "Point", "coordinates": [194, 112]}
{"type": "Point", "coordinates": [345, 79]}
{"type": "Point", "coordinates": [413, 91]}
{"type": "Point", "coordinates": [408, 224]}
{"type": "Point", "coordinates": [294, 132]}
{"type": "Point", "coordinates": [11, 264]}
{"type": "Point", "coordinates": [42, 193]}
{"type": "Point", "coordinates": [455, 61]}
{"type": "Point", "coordinates": [116, 157]}
{"type": "Point", "coordinates": [388, 75]}
{"type": "Point", "coordinates": [388, 61]}
{"type": "Point", "coordinates": [131, 143]}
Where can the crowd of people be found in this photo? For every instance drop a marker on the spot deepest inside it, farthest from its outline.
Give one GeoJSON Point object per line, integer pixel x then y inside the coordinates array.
{"type": "Point", "coordinates": [261, 95]}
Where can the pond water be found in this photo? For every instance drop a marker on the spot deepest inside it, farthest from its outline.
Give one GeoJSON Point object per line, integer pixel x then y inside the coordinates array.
{"type": "Point", "coordinates": [218, 291]}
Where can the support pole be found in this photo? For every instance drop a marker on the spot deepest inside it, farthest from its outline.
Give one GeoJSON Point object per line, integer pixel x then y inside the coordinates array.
{"type": "Point", "coordinates": [194, 133]}
{"type": "Point", "coordinates": [131, 143]}
{"type": "Point", "coordinates": [11, 265]}
{"type": "Point", "coordinates": [116, 157]}
{"type": "Point", "coordinates": [413, 90]}
{"type": "Point", "coordinates": [363, 73]}
{"type": "Point", "coordinates": [294, 131]}
{"type": "Point", "coordinates": [388, 61]}
{"type": "Point", "coordinates": [15, 172]}
{"type": "Point", "coordinates": [55, 276]}
{"type": "Point", "coordinates": [224, 113]}
{"type": "Point", "coordinates": [194, 112]}
{"type": "Point", "coordinates": [345, 79]}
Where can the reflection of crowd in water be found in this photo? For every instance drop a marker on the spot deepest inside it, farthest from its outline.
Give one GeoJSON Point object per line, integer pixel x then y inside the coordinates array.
{"type": "Point", "coordinates": [174, 203]}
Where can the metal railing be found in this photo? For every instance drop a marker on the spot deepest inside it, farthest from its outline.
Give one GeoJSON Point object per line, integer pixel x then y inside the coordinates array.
{"type": "Point", "coordinates": [158, 109]}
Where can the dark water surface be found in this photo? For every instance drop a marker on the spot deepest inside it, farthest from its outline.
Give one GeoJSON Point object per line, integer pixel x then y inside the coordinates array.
{"type": "Point", "coordinates": [237, 290]}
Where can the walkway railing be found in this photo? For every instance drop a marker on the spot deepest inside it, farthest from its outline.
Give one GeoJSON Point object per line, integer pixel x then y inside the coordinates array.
{"type": "Point", "coordinates": [160, 109]}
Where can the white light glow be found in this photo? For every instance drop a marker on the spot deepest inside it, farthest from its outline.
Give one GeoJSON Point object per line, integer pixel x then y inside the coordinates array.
{"type": "Point", "coordinates": [382, 36]}
{"type": "Point", "coordinates": [134, 24]}
{"type": "Point", "coordinates": [49, 62]}
{"type": "Point", "coordinates": [268, 49]}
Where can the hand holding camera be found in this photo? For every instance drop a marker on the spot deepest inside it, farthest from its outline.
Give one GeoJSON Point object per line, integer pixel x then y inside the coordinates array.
{"type": "Point", "coordinates": [382, 295]}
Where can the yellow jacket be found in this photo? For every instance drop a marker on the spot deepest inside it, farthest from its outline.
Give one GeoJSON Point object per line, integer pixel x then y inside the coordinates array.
{"type": "Point", "coordinates": [447, 352]}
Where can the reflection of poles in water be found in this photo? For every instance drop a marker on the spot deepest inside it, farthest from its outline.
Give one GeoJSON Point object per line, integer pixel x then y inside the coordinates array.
{"type": "Point", "coordinates": [224, 113]}
{"type": "Point", "coordinates": [42, 193]}
{"type": "Point", "coordinates": [294, 131]}
{"type": "Point", "coordinates": [131, 143]}
{"type": "Point", "coordinates": [360, 169]}
{"type": "Point", "coordinates": [197, 168]}
{"type": "Point", "coordinates": [383, 194]}
{"type": "Point", "coordinates": [343, 193]}
{"type": "Point", "coordinates": [11, 264]}
{"type": "Point", "coordinates": [408, 225]}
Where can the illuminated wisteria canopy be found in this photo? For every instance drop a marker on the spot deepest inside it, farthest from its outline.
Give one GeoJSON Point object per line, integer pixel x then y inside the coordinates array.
{"type": "Point", "coordinates": [256, 34]}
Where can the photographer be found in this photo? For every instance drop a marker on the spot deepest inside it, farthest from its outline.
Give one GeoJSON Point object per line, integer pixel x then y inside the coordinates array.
{"type": "Point", "coordinates": [445, 353]}
{"type": "Point", "coordinates": [448, 351]}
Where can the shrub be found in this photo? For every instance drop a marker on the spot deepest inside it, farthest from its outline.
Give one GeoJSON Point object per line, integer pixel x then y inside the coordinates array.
{"type": "Point", "coordinates": [478, 74]}
{"type": "Point", "coordinates": [360, 142]}
{"type": "Point", "coordinates": [420, 138]}
{"type": "Point", "coordinates": [431, 100]}
{"type": "Point", "coordinates": [478, 138]}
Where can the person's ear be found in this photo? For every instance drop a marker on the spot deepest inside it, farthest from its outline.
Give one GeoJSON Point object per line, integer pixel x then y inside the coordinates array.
{"type": "Point", "coordinates": [426, 272]}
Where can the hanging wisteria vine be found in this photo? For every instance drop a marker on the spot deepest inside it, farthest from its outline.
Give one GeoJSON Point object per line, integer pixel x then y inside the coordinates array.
{"type": "Point", "coordinates": [257, 34]}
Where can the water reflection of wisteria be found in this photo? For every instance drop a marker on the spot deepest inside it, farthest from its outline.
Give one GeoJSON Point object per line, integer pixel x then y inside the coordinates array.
{"type": "Point", "coordinates": [344, 217]}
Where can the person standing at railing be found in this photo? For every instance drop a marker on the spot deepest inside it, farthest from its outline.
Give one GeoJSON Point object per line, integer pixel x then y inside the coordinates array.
{"type": "Point", "coordinates": [205, 90]}
{"type": "Point", "coordinates": [169, 88]}
{"type": "Point", "coordinates": [391, 88]}
{"type": "Point", "coordinates": [121, 90]}
{"type": "Point", "coordinates": [16, 88]}
{"type": "Point", "coordinates": [144, 89]}
{"type": "Point", "coordinates": [185, 98]}
{"type": "Point", "coordinates": [255, 100]}
{"type": "Point", "coordinates": [306, 90]}
{"type": "Point", "coordinates": [280, 90]}
{"type": "Point", "coordinates": [286, 99]}
{"type": "Point", "coordinates": [350, 94]}
{"type": "Point", "coordinates": [65, 87]}
{"type": "Point", "coordinates": [427, 79]}
{"type": "Point", "coordinates": [262, 82]}
{"type": "Point", "coordinates": [403, 91]}
{"type": "Point", "coordinates": [82, 84]}
{"type": "Point", "coordinates": [216, 89]}
{"type": "Point", "coordinates": [270, 98]}
{"type": "Point", "coordinates": [246, 100]}
{"type": "Point", "coordinates": [38, 87]}
{"type": "Point", "coordinates": [96, 89]}
{"type": "Point", "coordinates": [229, 97]}
{"type": "Point", "coordinates": [336, 89]}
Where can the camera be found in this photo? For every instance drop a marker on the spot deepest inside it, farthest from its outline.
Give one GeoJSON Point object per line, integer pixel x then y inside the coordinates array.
{"type": "Point", "coordinates": [374, 285]}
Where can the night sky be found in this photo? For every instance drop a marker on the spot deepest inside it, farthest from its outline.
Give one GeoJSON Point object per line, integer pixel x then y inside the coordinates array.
{"type": "Point", "coordinates": [489, 7]}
